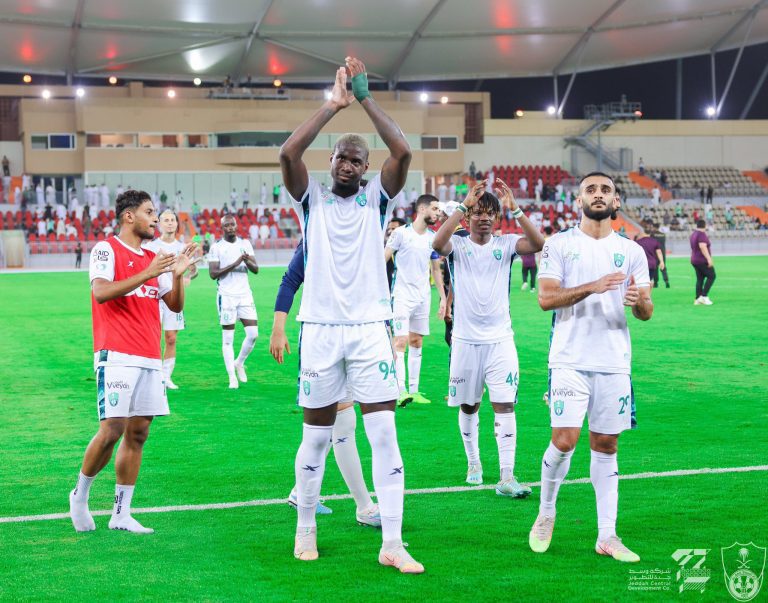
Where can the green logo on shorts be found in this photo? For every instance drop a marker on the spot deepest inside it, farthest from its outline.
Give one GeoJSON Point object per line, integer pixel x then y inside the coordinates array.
{"type": "Point", "coordinates": [497, 254]}
{"type": "Point", "coordinates": [113, 398]}
{"type": "Point", "coordinates": [559, 407]}
{"type": "Point", "coordinates": [452, 391]}
{"type": "Point", "coordinates": [618, 260]}
{"type": "Point", "coordinates": [398, 325]}
{"type": "Point", "coordinates": [306, 387]}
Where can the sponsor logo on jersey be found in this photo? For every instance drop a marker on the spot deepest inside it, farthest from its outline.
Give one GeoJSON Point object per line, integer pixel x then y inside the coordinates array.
{"type": "Point", "coordinates": [145, 291]}
{"type": "Point", "coordinates": [100, 255]}
{"type": "Point", "coordinates": [618, 260]}
{"type": "Point", "coordinates": [362, 200]}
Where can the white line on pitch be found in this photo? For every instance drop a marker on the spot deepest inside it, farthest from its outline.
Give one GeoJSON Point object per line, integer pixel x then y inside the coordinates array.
{"type": "Point", "coordinates": [443, 490]}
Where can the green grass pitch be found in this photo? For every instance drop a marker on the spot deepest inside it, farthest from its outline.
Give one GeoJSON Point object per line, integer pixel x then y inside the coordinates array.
{"type": "Point", "coordinates": [701, 389]}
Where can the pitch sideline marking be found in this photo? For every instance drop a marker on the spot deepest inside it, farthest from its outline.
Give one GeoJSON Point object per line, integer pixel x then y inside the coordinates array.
{"type": "Point", "coordinates": [442, 490]}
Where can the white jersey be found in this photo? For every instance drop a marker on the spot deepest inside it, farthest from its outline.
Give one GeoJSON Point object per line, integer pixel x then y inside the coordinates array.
{"type": "Point", "coordinates": [592, 335]}
{"type": "Point", "coordinates": [158, 245]}
{"type": "Point", "coordinates": [225, 253]}
{"type": "Point", "coordinates": [413, 252]}
{"type": "Point", "coordinates": [480, 275]}
{"type": "Point", "coordinates": [345, 278]}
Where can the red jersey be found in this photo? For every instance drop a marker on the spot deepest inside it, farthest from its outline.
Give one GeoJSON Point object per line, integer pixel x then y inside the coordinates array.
{"type": "Point", "coordinates": [129, 324]}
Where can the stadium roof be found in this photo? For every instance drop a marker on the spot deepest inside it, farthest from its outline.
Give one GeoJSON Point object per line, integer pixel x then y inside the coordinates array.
{"type": "Point", "coordinates": [399, 40]}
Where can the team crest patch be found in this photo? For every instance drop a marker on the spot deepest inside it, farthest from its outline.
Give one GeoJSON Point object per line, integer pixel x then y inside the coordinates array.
{"type": "Point", "coordinates": [618, 260]}
{"type": "Point", "coordinates": [306, 388]}
{"type": "Point", "coordinates": [559, 407]}
{"type": "Point", "coordinates": [497, 254]}
{"type": "Point", "coordinates": [452, 391]}
{"type": "Point", "coordinates": [113, 398]}
{"type": "Point", "coordinates": [362, 200]}
{"type": "Point", "coordinates": [743, 566]}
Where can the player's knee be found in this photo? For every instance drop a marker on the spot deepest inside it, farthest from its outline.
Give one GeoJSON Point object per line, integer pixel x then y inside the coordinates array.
{"type": "Point", "coordinates": [415, 341]}
{"type": "Point", "coordinates": [137, 436]}
{"type": "Point", "coordinates": [565, 441]}
{"type": "Point", "coordinates": [252, 332]}
{"type": "Point", "coordinates": [400, 344]}
{"type": "Point", "coordinates": [111, 430]}
{"type": "Point", "coordinates": [607, 444]}
{"type": "Point", "coordinates": [470, 409]}
{"type": "Point", "coordinates": [227, 337]}
{"type": "Point", "coordinates": [503, 407]}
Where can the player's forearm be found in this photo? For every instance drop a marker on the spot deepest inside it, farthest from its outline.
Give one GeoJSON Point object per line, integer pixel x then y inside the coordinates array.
{"type": "Point", "coordinates": [444, 233]}
{"type": "Point", "coordinates": [104, 291]}
{"type": "Point", "coordinates": [252, 265]}
{"type": "Point", "coordinates": [217, 273]}
{"type": "Point", "coordinates": [437, 276]}
{"type": "Point", "coordinates": [174, 299]}
{"type": "Point", "coordinates": [554, 298]}
{"type": "Point", "coordinates": [278, 322]}
{"type": "Point", "coordinates": [534, 240]}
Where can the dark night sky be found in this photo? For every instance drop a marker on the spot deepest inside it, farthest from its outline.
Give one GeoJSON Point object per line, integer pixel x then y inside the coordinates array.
{"type": "Point", "coordinates": [652, 84]}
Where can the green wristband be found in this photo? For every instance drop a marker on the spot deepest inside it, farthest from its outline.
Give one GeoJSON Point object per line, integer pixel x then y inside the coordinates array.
{"type": "Point", "coordinates": [462, 208]}
{"type": "Point", "coordinates": [360, 87]}
{"type": "Point", "coordinates": [517, 213]}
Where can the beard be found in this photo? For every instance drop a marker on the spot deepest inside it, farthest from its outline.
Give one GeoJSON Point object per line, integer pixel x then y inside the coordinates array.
{"type": "Point", "coordinates": [599, 214]}
{"type": "Point", "coordinates": [430, 221]}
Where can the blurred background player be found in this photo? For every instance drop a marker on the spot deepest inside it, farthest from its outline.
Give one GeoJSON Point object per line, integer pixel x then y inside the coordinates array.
{"type": "Point", "coordinates": [662, 239]}
{"type": "Point", "coordinates": [345, 307]}
{"type": "Point", "coordinates": [411, 248]}
{"type": "Point", "coordinates": [172, 322]}
{"type": "Point", "coordinates": [529, 271]}
{"type": "Point", "coordinates": [701, 260]}
{"type": "Point", "coordinates": [395, 222]}
{"type": "Point", "coordinates": [343, 437]}
{"type": "Point", "coordinates": [229, 261]}
{"type": "Point", "coordinates": [653, 255]}
{"type": "Point", "coordinates": [483, 348]}
{"type": "Point", "coordinates": [588, 275]}
{"type": "Point", "coordinates": [127, 283]}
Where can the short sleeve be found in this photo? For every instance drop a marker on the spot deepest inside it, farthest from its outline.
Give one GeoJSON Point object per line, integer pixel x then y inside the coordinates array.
{"type": "Point", "coordinates": [102, 262]}
{"type": "Point", "coordinates": [639, 267]}
{"type": "Point", "coordinates": [213, 254]}
{"type": "Point", "coordinates": [551, 263]}
{"type": "Point", "coordinates": [249, 247]}
{"type": "Point", "coordinates": [395, 240]}
{"type": "Point", "coordinates": [165, 283]}
{"type": "Point", "coordinates": [511, 241]}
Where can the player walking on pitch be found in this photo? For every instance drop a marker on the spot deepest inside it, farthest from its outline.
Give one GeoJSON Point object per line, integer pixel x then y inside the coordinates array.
{"type": "Point", "coordinates": [483, 348]}
{"type": "Point", "coordinates": [411, 246]}
{"type": "Point", "coordinates": [172, 322]}
{"type": "Point", "coordinates": [229, 261]}
{"type": "Point", "coordinates": [127, 283]}
{"type": "Point", "coordinates": [345, 306]}
{"type": "Point", "coordinates": [587, 275]}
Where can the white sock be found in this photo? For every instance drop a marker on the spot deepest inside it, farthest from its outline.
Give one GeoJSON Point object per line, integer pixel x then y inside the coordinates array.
{"type": "Point", "coordinates": [227, 339]}
{"type": "Point", "coordinates": [83, 488]}
{"type": "Point", "coordinates": [310, 466]}
{"type": "Point", "coordinates": [388, 477]}
{"type": "Point", "coordinates": [122, 506]}
{"type": "Point", "coordinates": [400, 371]}
{"type": "Point", "coordinates": [554, 468]}
{"type": "Point", "coordinates": [604, 474]}
{"type": "Point", "coordinates": [251, 333]}
{"type": "Point", "coordinates": [348, 459]}
{"type": "Point", "coordinates": [469, 426]}
{"type": "Point", "coordinates": [414, 368]}
{"type": "Point", "coordinates": [505, 427]}
{"type": "Point", "coordinates": [168, 366]}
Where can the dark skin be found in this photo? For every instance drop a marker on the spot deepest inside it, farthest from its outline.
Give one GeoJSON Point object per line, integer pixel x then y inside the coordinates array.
{"type": "Point", "coordinates": [229, 227]}
{"type": "Point", "coordinates": [348, 165]}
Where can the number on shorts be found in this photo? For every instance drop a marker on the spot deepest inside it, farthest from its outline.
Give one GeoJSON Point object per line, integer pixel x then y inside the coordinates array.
{"type": "Point", "coordinates": [512, 380]}
{"type": "Point", "coordinates": [623, 400]}
{"type": "Point", "coordinates": [386, 369]}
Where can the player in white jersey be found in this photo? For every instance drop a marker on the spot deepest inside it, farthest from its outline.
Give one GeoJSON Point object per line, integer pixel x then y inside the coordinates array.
{"type": "Point", "coordinates": [411, 246]}
{"type": "Point", "coordinates": [587, 275]}
{"type": "Point", "coordinates": [483, 347]}
{"type": "Point", "coordinates": [171, 322]}
{"type": "Point", "coordinates": [229, 262]}
{"type": "Point", "coordinates": [345, 344]}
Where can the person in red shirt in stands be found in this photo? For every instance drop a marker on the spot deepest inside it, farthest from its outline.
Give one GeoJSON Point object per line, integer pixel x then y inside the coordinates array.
{"type": "Point", "coordinates": [127, 284]}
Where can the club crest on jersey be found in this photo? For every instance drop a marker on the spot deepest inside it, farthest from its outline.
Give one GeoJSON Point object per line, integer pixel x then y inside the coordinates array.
{"type": "Point", "coordinates": [362, 200]}
{"type": "Point", "coordinates": [618, 260]}
{"type": "Point", "coordinates": [497, 254]}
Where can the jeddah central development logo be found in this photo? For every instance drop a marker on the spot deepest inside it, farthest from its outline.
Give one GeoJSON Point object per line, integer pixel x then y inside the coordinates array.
{"type": "Point", "coordinates": [691, 574]}
{"type": "Point", "coordinates": [741, 562]}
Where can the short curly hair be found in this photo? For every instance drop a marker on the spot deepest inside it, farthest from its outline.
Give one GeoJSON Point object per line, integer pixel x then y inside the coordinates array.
{"type": "Point", "coordinates": [130, 199]}
{"type": "Point", "coordinates": [353, 139]}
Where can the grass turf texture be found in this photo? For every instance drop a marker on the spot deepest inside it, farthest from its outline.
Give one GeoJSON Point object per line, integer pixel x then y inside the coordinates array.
{"type": "Point", "coordinates": [699, 377]}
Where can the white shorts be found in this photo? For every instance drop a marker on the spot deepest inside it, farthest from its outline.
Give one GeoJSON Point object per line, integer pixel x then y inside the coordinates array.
{"type": "Point", "coordinates": [235, 307]}
{"type": "Point", "coordinates": [130, 391]}
{"type": "Point", "coordinates": [474, 365]}
{"type": "Point", "coordinates": [410, 317]}
{"type": "Point", "coordinates": [343, 362]}
{"type": "Point", "coordinates": [606, 398]}
{"type": "Point", "coordinates": [171, 321]}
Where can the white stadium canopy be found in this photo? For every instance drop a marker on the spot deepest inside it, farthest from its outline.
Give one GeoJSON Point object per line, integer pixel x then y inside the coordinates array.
{"type": "Point", "coordinates": [301, 41]}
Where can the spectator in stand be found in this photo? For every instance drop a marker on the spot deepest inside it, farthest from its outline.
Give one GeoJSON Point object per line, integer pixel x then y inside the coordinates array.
{"type": "Point", "coordinates": [233, 200]}
{"type": "Point", "coordinates": [710, 193]}
{"type": "Point", "coordinates": [6, 166]}
{"type": "Point", "coordinates": [263, 194]}
{"type": "Point", "coordinates": [663, 179]}
{"type": "Point", "coordinates": [195, 211]}
{"type": "Point", "coordinates": [655, 196]}
{"type": "Point", "coordinates": [263, 232]}
{"type": "Point", "coordinates": [413, 195]}
{"type": "Point", "coordinates": [78, 254]}
{"type": "Point", "coordinates": [287, 225]}
{"type": "Point", "coordinates": [246, 199]}
{"type": "Point", "coordinates": [701, 260]}
{"type": "Point", "coordinates": [560, 205]}
{"type": "Point", "coordinates": [641, 167]}
{"type": "Point", "coordinates": [523, 185]}
{"type": "Point", "coordinates": [729, 218]}
{"type": "Point", "coordinates": [653, 254]}
{"type": "Point", "coordinates": [41, 227]}
{"type": "Point", "coordinates": [275, 193]}
{"type": "Point", "coordinates": [40, 194]}
{"type": "Point", "coordinates": [462, 188]}
{"type": "Point", "coordinates": [273, 230]}
{"type": "Point", "coordinates": [442, 192]}
{"type": "Point", "coordinates": [451, 191]}
{"type": "Point", "coordinates": [473, 170]}
{"type": "Point", "coordinates": [253, 233]}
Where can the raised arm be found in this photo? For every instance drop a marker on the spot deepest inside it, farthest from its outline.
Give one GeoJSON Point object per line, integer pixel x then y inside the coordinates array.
{"type": "Point", "coordinates": [533, 240]}
{"type": "Point", "coordinates": [395, 169]}
{"type": "Point", "coordinates": [295, 176]}
{"type": "Point", "coordinates": [442, 242]}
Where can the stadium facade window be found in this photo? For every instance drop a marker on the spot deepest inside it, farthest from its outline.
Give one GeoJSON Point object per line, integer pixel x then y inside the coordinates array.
{"type": "Point", "coordinates": [440, 143]}
{"type": "Point", "coordinates": [449, 143]}
{"type": "Point", "coordinates": [110, 141]}
{"type": "Point", "coordinates": [198, 141]}
{"type": "Point", "coordinates": [251, 139]}
{"type": "Point", "coordinates": [58, 142]}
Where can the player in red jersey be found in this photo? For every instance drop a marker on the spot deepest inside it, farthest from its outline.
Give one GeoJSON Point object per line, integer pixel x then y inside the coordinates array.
{"type": "Point", "coordinates": [127, 284]}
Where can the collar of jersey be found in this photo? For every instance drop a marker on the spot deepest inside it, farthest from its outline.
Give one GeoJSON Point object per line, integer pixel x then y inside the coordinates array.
{"type": "Point", "coordinates": [128, 247]}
